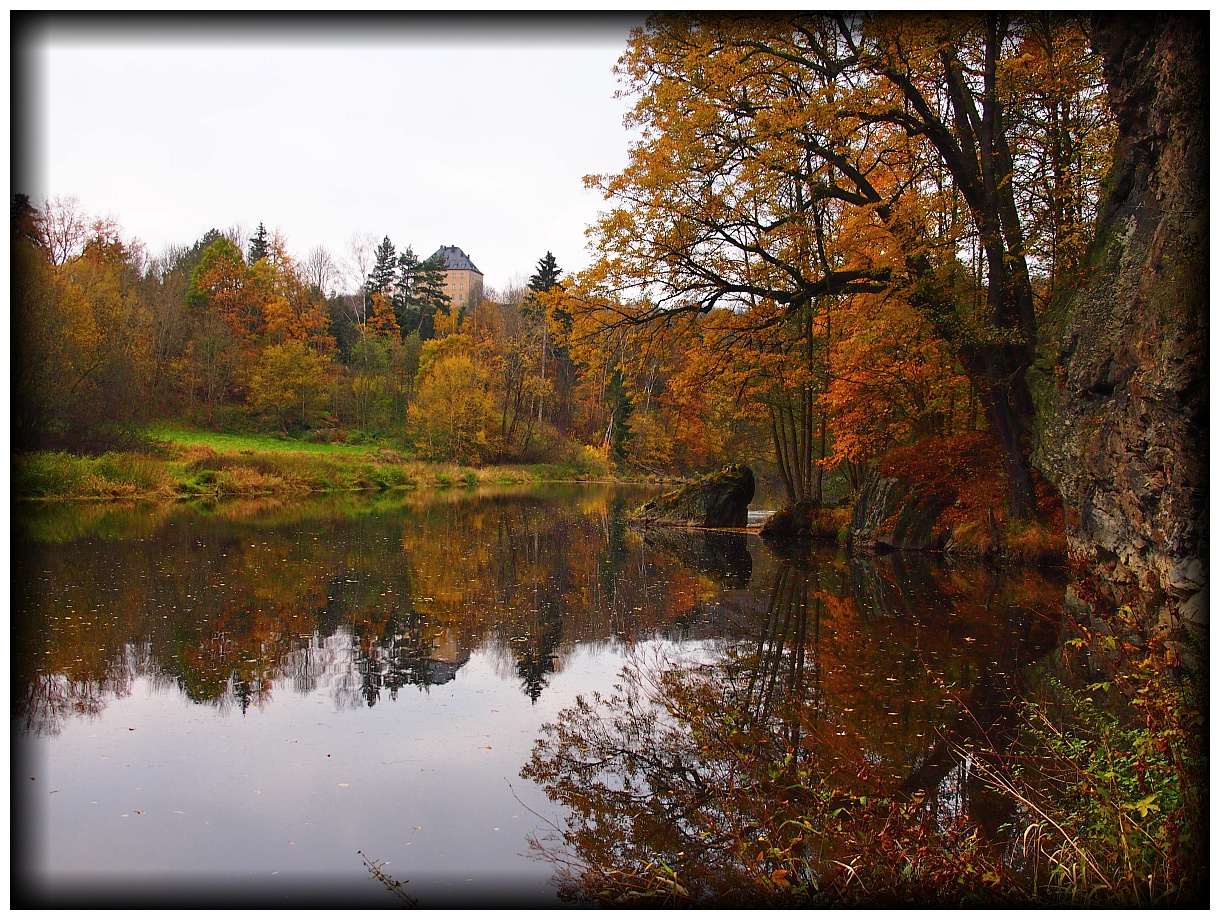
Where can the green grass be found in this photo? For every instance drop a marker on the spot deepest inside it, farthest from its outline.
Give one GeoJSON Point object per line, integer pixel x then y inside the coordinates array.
{"type": "Point", "coordinates": [257, 443]}
{"type": "Point", "coordinates": [188, 463]}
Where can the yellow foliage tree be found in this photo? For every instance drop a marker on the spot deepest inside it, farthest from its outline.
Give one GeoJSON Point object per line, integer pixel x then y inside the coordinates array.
{"type": "Point", "coordinates": [291, 384]}
{"type": "Point", "coordinates": [453, 412]}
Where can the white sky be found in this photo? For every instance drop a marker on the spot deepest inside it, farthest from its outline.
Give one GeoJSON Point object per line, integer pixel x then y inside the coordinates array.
{"type": "Point", "coordinates": [472, 131]}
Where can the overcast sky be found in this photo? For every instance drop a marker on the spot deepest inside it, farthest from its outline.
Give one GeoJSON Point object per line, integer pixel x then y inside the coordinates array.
{"type": "Point", "coordinates": [470, 131]}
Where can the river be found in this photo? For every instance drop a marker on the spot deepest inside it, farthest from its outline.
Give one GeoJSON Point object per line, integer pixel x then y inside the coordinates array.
{"type": "Point", "coordinates": [242, 703]}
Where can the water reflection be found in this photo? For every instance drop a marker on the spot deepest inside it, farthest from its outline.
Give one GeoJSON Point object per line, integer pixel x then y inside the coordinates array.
{"type": "Point", "coordinates": [232, 606]}
{"type": "Point", "coordinates": [819, 679]}
{"type": "Point", "coordinates": [720, 555]}
{"type": "Point", "coordinates": [864, 677]}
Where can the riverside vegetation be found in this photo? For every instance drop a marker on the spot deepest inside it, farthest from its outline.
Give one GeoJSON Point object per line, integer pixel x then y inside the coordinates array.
{"type": "Point", "coordinates": [185, 464]}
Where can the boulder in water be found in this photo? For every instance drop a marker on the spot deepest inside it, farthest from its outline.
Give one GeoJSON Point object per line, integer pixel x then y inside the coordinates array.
{"type": "Point", "coordinates": [719, 499]}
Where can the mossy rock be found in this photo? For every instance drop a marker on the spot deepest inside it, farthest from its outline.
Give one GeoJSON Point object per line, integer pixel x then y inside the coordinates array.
{"type": "Point", "coordinates": [719, 499]}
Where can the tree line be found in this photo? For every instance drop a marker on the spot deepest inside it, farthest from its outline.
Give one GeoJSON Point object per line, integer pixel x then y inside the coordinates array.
{"type": "Point", "coordinates": [235, 333]}
{"type": "Point", "coordinates": [838, 235]}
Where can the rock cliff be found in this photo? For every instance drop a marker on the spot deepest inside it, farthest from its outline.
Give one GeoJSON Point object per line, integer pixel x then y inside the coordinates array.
{"type": "Point", "coordinates": [893, 513]}
{"type": "Point", "coordinates": [1121, 380]}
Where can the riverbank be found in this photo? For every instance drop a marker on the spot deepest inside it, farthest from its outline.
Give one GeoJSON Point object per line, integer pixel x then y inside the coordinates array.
{"type": "Point", "coordinates": [191, 464]}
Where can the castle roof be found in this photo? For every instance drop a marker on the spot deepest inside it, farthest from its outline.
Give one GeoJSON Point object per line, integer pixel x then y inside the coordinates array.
{"type": "Point", "coordinates": [455, 259]}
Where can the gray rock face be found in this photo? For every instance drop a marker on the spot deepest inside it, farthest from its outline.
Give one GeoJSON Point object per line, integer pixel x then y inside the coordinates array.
{"type": "Point", "coordinates": [894, 514]}
{"type": "Point", "coordinates": [718, 499]}
{"type": "Point", "coordinates": [1120, 383]}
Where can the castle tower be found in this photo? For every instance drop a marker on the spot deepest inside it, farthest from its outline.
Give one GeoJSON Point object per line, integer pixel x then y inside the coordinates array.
{"type": "Point", "coordinates": [463, 281]}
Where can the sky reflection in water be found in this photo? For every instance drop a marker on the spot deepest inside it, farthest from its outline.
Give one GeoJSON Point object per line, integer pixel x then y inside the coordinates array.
{"type": "Point", "coordinates": [247, 696]}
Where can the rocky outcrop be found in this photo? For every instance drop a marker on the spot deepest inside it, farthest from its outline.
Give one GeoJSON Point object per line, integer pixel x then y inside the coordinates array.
{"type": "Point", "coordinates": [806, 521]}
{"type": "Point", "coordinates": [718, 499]}
{"type": "Point", "coordinates": [892, 513]}
{"type": "Point", "coordinates": [1120, 383]}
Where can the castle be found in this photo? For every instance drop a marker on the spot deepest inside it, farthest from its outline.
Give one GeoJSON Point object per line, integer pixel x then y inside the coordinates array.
{"type": "Point", "coordinates": [463, 281]}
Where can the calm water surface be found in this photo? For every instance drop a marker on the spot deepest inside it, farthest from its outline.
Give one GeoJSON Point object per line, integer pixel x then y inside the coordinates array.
{"type": "Point", "coordinates": [229, 703]}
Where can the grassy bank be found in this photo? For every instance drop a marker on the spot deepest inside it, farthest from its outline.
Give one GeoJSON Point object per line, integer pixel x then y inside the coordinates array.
{"type": "Point", "coordinates": [187, 464]}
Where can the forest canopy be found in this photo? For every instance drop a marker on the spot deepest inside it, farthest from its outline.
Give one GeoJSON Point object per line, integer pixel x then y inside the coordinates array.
{"type": "Point", "coordinates": [837, 236]}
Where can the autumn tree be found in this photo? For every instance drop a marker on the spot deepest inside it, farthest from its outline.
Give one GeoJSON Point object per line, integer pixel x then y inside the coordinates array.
{"type": "Point", "coordinates": [290, 385]}
{"type": "Point", "coordinates": [507, 336]}
{"type": "Point", "coordinates": [705, 219]}
{"type": "Point", "coordinates": [81, 367]}
{"type": "Point", "coordinates": [765, 140]}
{"type": "Point", "coordinates": [383, 322]}
{"type": "Point", "coordinates": [218, 284]}
{"type": "Point", "coordinates": [453, 412]}
{"type": "Point", "coordinates": [598, 348]}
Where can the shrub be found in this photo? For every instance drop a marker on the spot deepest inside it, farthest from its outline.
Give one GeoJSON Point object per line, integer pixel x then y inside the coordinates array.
{"type": "Point", "coordinates": [1033, 542]}
{"type": "Point", "coordinates": [41, 475]}
{"type": "Point", "coordinates": [64, 476]}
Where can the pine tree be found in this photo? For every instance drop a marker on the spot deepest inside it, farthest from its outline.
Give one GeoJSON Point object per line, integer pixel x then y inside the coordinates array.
{"type": "Point", "coordinates": [259, 248]}
{"type": "Point", "coordinates": [419, 293]}
{"type": "Point", "coordinates": [429, 293]}
{"type": "Point", "coordinates": [547, 275]}
{"type": "Point", "coordinates": [381, 278]}
{"type": "Point", "coordinates": [405, 308]}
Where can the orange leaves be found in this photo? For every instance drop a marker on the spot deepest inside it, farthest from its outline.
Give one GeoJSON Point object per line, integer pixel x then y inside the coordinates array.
{"type": "Point", "coordinates": [892, 379]}
{"type": "Point", "coordinates": [382, 321]}
{"type": "Point", "coordinates": [966, 466]}
{"type": "Point", "coordinates": [266, 303]}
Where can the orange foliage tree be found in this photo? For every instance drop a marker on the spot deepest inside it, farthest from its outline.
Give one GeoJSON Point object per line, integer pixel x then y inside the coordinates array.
{"type": "Point", "coordinates": [791, 164]}
{"type": "Point", "coordinates": [82, 352]}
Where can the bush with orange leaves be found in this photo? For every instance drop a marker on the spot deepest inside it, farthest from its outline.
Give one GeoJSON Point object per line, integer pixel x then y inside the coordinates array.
{"type": "Point", "coordinates": [966, 468]}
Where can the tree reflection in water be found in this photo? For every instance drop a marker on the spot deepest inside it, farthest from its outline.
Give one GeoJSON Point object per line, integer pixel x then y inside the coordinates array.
{"type": "Point", "coordinates": [360, 599]}
{"type": "Point", "coordinates": [821, 762]}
